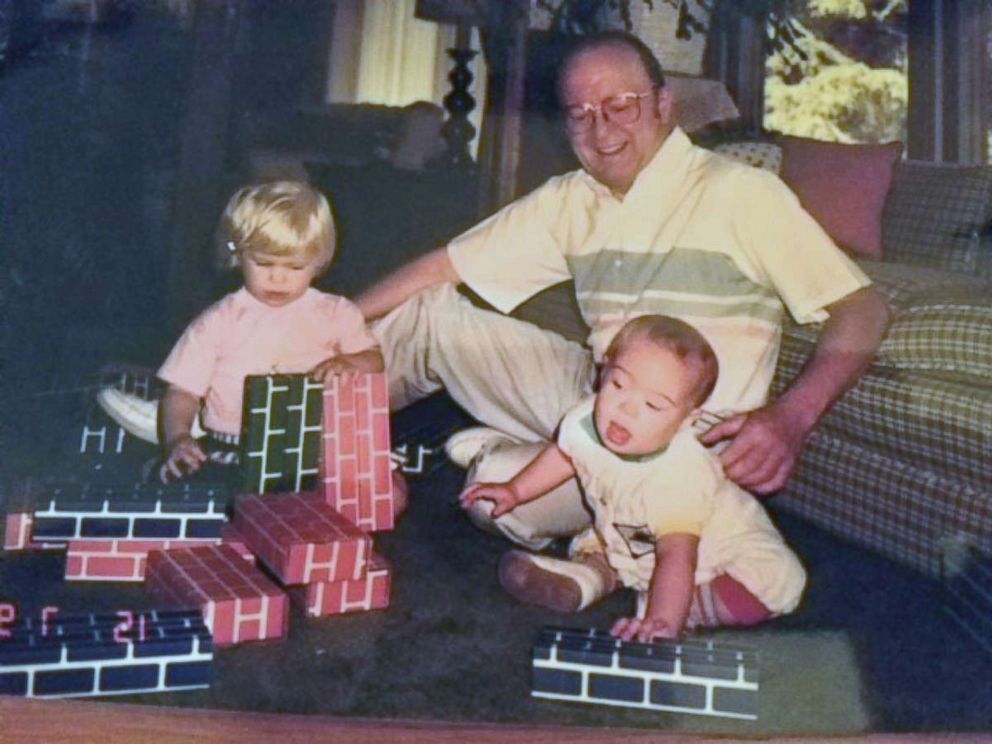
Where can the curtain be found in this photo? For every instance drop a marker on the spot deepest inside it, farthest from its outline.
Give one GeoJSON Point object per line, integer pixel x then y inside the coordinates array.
{"type": "Point", "coordinates": [381, 53]}
{"type": "Point", "coordinates": [401, 57]}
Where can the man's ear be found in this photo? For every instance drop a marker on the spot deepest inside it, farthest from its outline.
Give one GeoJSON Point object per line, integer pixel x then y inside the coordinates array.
{"type": "Point", "coordinates": [666, 105]}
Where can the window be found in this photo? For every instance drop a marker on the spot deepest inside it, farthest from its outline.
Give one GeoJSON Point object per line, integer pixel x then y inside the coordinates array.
{"type": "Point", "coordinates": [839, 71]}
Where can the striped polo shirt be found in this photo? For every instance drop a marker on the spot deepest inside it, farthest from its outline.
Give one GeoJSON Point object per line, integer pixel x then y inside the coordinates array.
{"type": "Point", "coordinates": [720, 245]}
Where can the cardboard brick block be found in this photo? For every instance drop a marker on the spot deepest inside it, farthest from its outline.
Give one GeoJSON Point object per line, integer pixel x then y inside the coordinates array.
{"type": "Point", "coordinates": [355, 475]}
{"type": "Point", "coordinates": [239, 603]}
{"type": "Point", "coordinates": [118, 654]}
{"type": "Point", "coordinates": [66, 510]}
{"type": "Point", "coordinates": [280, 437]}
{"type": "Point", "coordinates": [17, 534]}
{"type": "Point", "coordinates": [371, 592]}
{"type": "Point", "coordinates": [117, 560]}
{"type": "Point", "coordinates": [301, 539]}
{"type": "Point", "coordinates": [229, 535]}
{"type": "Point", "coordinates": [691, 676]}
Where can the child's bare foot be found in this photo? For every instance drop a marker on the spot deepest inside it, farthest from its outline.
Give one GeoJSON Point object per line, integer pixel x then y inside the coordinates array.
{"type": "Point", "coordinates": [562, 586]}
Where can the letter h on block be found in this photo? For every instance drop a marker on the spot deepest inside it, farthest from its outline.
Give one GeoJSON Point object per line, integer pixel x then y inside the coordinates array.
{"type": "Point", "coordinates": [356, 478]}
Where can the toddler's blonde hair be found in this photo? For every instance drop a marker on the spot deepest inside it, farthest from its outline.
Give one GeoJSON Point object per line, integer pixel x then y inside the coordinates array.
{"type": "Point", "coordinates": [279, 218]}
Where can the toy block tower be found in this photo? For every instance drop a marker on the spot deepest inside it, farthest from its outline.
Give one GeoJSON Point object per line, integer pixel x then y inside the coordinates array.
{"type": "Point", "coordinates": [298, 435]}
{"type": "Point", "coordinates": [356, 477]}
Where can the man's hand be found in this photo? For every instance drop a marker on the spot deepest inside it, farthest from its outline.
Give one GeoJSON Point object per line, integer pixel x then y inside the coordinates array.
{"type": "Point", "coordinates": [645, 631]}
{"type": "Point", "coordinates": [183, 458]}
{"type": "Point", "coordinates": [501, 494]}
{"type": "Point", "coordinates": [765, 447]}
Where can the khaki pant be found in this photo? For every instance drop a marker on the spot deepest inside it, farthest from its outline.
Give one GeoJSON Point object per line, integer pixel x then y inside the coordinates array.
{"type": "Point", "coordinates": [508, 374]}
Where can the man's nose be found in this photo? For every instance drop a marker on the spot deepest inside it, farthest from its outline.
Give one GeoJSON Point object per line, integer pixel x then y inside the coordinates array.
{"type": "Point", "coordinates": [599, 122]}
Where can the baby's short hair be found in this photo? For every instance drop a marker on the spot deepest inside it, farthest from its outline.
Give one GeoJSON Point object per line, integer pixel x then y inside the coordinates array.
{"type": "Point", "coordinates": [681, 339]}
{"type": "Point", "coordinates": [279, 218]}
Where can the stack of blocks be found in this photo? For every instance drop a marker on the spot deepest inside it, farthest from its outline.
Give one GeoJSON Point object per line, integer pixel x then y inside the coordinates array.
{"type": "Point", "coordinates": [340, 431]}
{"type": "Point", "coordinates": [108, 531]}
{"type": "Point", "coordinates": [297, 434]}
{"type": "Point", "coordinates": [323, 558]}
{"type": "Point", "coordinates": [314, 542]}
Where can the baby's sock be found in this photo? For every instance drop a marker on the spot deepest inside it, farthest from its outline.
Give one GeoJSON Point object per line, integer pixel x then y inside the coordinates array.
{"type": "Point", "coordinates": [725, 601]}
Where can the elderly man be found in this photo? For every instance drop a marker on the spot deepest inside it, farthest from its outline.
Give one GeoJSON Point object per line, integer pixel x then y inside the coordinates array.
{"type": "Point", "coordinates": [651, 224]}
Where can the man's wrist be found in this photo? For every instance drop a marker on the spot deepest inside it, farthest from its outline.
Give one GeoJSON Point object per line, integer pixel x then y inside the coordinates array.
{"type": "Point", "coordinates": [803, 409]}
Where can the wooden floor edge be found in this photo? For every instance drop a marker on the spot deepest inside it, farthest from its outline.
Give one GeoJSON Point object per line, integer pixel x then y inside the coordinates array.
{"type": "Point", "coordinates": [64, 721]}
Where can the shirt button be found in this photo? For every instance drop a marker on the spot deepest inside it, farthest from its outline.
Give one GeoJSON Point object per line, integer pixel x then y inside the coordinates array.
{"type": "Point", "coordinates": [618, 263]}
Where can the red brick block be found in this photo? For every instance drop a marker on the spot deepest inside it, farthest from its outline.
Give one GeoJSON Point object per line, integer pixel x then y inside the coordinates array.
{"type": "Point", "coordinates": [17, 533]}
{"type": "Point", "coordinates": [300, 538]}
{"type": "Point", "coordinates": [229, 535]}
{"type": "Point", "coordinates": [371, 592]}
{"type": "Point", "coordinates": [355, 474]}
{"type": "Point", "coordinates": [116, 559]}
{"type": "Point", "coordinates": [239, 603]}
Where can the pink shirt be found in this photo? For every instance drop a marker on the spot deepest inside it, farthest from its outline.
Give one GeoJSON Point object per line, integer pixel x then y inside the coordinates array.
{"type": "Point", "coordinates": [240, 336]}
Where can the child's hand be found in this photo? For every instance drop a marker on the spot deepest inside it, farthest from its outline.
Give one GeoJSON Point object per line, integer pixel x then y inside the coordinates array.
{"type": "Point", "coordinates": [336, 366]}
{"type": "Point", "coordinates": [646, 630]}
{"type": "Point", "coordinates": [184, 457]}
{"type": "Point", "coordinates": [501, 494]}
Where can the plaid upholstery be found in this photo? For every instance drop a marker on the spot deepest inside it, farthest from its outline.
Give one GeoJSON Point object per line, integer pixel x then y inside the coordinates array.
{"type": "Point", "coordinates": [942, 323]}
{"type": "Point", "coordinates": [933, 211]}
{"type": "Point", "coordinates": [902, 511]}
{"type": "Point", "coordinates": [903, 461]}
{"type": "Point", "coordinates": [936, 424]}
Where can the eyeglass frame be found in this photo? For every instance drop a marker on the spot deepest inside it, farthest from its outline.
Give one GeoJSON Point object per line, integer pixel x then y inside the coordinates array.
{"type": "Point", "coordinates": [587, 122]}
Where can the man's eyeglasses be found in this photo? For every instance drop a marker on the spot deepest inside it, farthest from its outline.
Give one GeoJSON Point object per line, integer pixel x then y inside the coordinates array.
{"type": "Point", "coordinates": [624, 108]}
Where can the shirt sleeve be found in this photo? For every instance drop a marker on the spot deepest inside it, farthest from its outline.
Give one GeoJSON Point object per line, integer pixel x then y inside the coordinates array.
{"type": "Point", "coordinates": [192, 361]}
{"type": "Point", "coordinates": [795, 254]}
{"type": "Point", "coordinates": [515, 253]}
{"type": "Point", "coordinates": [353, 334]}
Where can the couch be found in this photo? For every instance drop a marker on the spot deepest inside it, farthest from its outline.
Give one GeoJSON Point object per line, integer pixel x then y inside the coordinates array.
{"type": "Point", "coordinates": [903, 463]}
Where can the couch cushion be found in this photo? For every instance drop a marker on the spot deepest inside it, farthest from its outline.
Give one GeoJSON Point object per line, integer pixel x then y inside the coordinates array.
{"type": "Point", "coordinates": [843, 187]}
{"type": "Point", "coordinates": [890, 505]}
{"type": "Point", "coordinates": [933, 216]}
{"type": "Point", "coordinates": [939, 424]}
{"type": "Point", "coordinates": [942, 322]}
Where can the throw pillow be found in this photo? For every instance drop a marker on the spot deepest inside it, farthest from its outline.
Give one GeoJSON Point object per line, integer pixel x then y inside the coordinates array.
{"type": "Point", "coordinates": [767, 155]}
{"type": "Point", "coordinates": [843, 187]}
{"type": "Point", "coordinates": [936, 214]}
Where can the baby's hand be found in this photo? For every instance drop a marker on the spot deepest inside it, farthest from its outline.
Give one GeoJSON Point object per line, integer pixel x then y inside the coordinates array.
{"type": "Point", "coordinates": [335, 366]}
{"type": "Point", "coordinates": [646, 630]}
{"type": "Point", "coordinates": [184, 457]}
{"type": "Point", "coordinates": [501, 494]}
